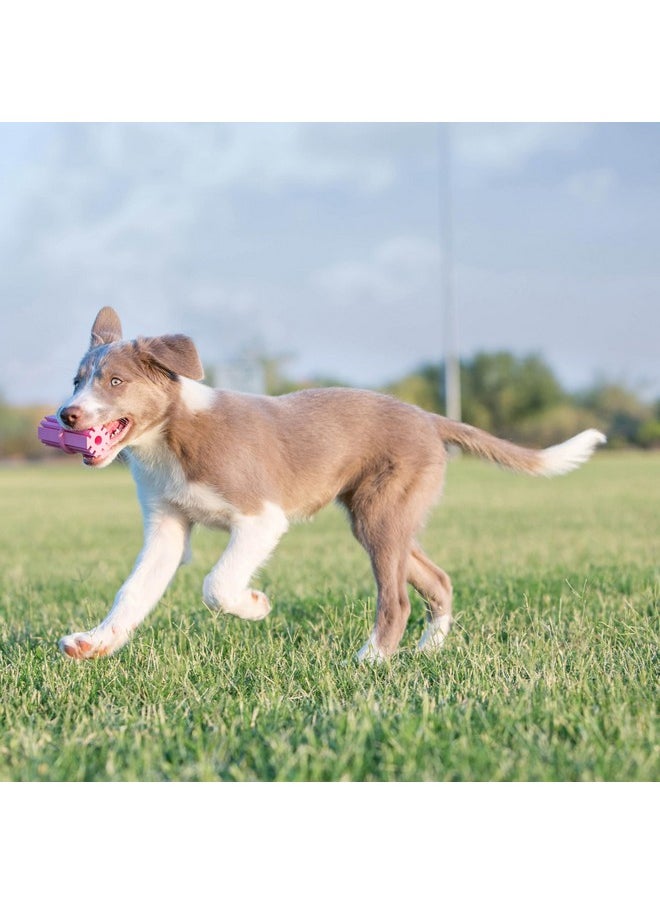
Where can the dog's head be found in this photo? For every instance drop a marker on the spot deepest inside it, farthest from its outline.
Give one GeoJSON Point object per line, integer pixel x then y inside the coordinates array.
{"type": "Point", "coordinates": [126, 385]}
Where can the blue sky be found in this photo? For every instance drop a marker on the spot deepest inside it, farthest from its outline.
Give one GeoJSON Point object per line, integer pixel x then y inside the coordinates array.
{"type": "Point", "coordinates": [323, 242]}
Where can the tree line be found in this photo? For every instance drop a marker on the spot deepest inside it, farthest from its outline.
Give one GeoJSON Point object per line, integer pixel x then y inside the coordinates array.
{"type": "Point", "coordinates": [518, 398]}
{"type": "Point", "coordinates": [521, 399]}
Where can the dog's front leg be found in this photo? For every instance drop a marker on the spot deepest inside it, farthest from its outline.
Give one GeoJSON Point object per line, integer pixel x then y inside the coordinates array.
{"type": "Point", "coordinates": [253, 538]}
{"type": "Point", "coordinates": [166, 542]}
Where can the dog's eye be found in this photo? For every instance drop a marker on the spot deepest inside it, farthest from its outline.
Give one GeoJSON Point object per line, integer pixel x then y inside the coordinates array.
{"type": "Point", "coordinates": [116, 381]}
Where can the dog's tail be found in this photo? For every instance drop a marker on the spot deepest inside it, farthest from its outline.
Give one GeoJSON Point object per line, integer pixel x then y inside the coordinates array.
{"type": "Point", "coordinates": [548, 462]}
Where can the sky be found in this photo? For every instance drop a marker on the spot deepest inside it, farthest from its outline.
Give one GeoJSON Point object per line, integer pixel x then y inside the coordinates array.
{"type": "Point", "coordinates": [330, 244]}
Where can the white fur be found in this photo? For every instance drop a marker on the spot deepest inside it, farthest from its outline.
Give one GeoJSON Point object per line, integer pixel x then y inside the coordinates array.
{"type": "Point", "coordinates": [166, 539]}
{"type": "Point", "coordinates": [571, 454]}
{"type": "Point", "coordinates": [159, 476]}
{"type": "Point", "coordinates": [84, 397]}
{"type": "Point", "coordinates": [253, 538]}
{"type": "Point", "coordinates": [435, 633]}
{"type": "Point", "coordinates": [371, 652]}
{"type": "Point", "coordinates": [170, 505]}
{"type": "Point", "coordinates": [195, 396]}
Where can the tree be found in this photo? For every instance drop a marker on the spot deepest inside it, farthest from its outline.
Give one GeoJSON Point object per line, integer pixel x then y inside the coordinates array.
{"type": "Point", "coordinates": [498, 389]}
{"type": "Point", "coordinates": [18, 432]}
{"type": "Point", "coordinates": [501, 390]}
{"type": "Point", "coordinates": [620, 410]}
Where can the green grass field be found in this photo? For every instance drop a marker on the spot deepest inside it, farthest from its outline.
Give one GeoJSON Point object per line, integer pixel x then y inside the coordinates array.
{"type": "Point", "coordinates": [550, 672]}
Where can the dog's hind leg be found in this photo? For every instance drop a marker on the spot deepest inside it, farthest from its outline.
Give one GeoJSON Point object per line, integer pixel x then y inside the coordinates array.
{"type": "Point", "coordinates": [392, 607]}
{"type": "Point", "coordinates": [253, 538]}
{"type": "Point", "coordinates": [166, 539]}
{"type": "Point", "coordinates": [386, 512]}
{"type": "Point", "coordinates": [434, 586]}
{"type": "Point", "coordinates": [387, 540]}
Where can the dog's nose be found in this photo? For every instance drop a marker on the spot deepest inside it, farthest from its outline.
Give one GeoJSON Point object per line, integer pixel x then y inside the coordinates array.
{"type": "Point", "coordinates": [70, 416]}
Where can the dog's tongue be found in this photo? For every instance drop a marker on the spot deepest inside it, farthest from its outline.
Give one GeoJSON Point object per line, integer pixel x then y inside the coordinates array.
{"type": "Point", "coordinates": [115, 429]}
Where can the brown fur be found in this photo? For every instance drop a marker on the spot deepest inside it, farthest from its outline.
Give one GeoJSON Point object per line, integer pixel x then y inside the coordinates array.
{"type": "Point", "coordinates": [381, 459]}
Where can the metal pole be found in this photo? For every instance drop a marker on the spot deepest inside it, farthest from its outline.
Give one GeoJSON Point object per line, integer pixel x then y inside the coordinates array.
{"type": "Point", "coordinates": [452, 367]}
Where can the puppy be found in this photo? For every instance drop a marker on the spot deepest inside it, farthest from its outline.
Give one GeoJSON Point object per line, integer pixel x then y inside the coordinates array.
{"type": "Point", "coordinates": [251, 464]}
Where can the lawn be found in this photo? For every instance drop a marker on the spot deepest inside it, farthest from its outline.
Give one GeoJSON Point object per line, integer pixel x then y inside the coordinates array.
{"type": "Point", "coordinates": [550, 673]}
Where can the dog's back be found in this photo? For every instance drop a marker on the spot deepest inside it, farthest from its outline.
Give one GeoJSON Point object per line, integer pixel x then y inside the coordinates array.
{"type": "Point", "coordinates": [301, 450]}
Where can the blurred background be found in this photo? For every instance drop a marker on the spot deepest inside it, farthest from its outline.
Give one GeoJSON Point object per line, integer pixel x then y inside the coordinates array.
{"type": "Point", "coordinates": [364, 254]}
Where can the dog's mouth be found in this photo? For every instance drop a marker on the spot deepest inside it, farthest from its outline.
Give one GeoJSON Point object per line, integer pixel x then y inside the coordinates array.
{"type": "Point", "coordinates": [106, 439]}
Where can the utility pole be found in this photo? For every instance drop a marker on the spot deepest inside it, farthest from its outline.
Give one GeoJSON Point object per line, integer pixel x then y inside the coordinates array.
{"type": "Point", "coordinates": [452, 366]}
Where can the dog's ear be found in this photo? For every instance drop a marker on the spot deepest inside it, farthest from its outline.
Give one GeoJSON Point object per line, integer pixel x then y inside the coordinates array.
{"type": "Point", "coordinates": [106, 328]}
{"type": "Point", "coordinates": [175, 354]}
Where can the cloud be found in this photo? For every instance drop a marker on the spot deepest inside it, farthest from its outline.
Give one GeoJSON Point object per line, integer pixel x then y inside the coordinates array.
{"type": "Point", "coordinates": [262, 156]}
{"type": "Point", "coordinates": [150, 218]}
{"type": "Point", "coordinates": [126, 210]}
{"type": "Point", "coordinates": [592, 185]}
{"type": "Point", "coordinates": [283, 155]}
{"type": "Point", "coordinates": [367, 320]}
{"type": "Point", "coordinates": [599, 323]}
{"type": "Point", "coordinates": [397, 271]}
{"type": "Point", "coordinates": [507, 146]}
{"type": "Point", "coordinates": [105, 188]}
{"type": "Point", "coordinates": [315, 239]}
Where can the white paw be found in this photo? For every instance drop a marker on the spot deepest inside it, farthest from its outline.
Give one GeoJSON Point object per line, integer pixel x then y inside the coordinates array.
{"type": "Point", "coordinates": [255, 605]}
{"type": "Point", "coordinates": [434, 636]}
{"type": "Point", "coordinates": [87, 645]}
{"type": "Point", "coordinates": [101, 641]}
{"type": "Point", "coordinates": [252, 605]}
{"type": "Point", "coordinates": [371, 652]}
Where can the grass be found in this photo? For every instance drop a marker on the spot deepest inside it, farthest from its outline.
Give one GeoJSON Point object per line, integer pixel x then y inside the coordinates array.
{"type": "Point", "coordinates": [550, 673]}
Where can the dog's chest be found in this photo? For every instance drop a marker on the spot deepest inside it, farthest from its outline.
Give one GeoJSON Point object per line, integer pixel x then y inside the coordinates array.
{"type": "Point", "coordinates": [201, 504]}
{"type": "Point", "coordinates": [161, 477]}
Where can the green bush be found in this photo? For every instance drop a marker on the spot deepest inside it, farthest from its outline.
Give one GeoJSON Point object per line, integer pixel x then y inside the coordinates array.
{"type": "Point", "coordinates": [18, 432]}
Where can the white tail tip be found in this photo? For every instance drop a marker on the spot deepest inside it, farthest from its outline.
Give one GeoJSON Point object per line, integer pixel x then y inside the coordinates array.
{"type": "Point", "coordinates": [570, 455]}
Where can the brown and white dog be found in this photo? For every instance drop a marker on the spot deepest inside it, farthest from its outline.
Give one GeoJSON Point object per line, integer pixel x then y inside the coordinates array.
{"type": "Point", "coordinates": [251, 464]}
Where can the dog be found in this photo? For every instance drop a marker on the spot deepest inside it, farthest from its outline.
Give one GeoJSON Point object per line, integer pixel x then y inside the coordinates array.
{"type": "Point", "coordinates": [251, 464]}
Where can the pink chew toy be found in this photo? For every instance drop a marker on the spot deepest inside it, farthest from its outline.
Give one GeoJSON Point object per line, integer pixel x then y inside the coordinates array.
{"type": "Point", "coordinates": [90, 443]}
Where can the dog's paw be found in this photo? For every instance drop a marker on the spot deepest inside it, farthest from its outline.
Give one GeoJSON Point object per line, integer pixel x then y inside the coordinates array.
{"type": "Point", "coordinates": [435, 633]}
{"type": "Point", "coordinates": [371, 652]}
{"type": "Point", "coordinates": [252, 605]}
{"type": "Point", "coordinates": [257, 605]}
{"type": "Point", "coordinates": [84, 646]}
{"type": "Point", "coordinates": [103, 640]}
